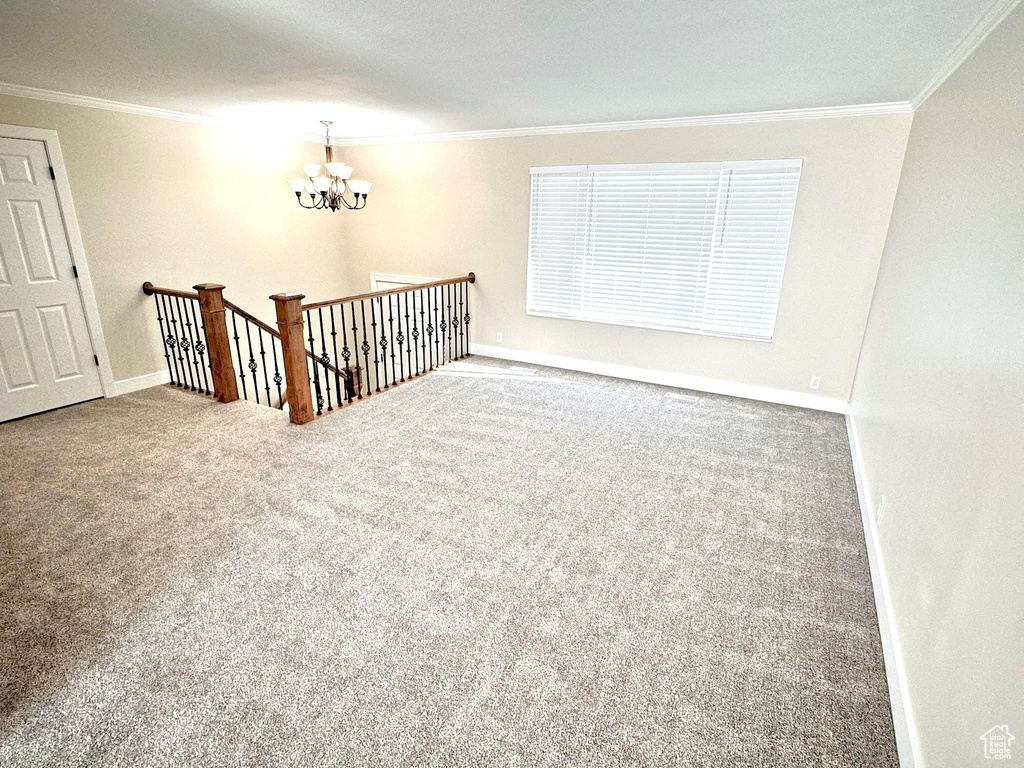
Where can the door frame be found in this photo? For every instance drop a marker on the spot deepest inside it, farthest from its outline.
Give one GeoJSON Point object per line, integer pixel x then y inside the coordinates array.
{"type": "Point", "coordinates": [75, 244]}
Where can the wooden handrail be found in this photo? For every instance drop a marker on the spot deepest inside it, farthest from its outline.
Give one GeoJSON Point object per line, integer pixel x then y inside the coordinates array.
{"type": "Point", "coordinates": [470, 278]}
{"type": "Point", "coordinates": [251, 318]}
{"type": "Point", "coordinates": [274, 332]}
{"type": "Point", "coordinates": [149, 289]}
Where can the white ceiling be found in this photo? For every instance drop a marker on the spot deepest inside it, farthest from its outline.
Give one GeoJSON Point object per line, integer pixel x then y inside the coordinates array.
{"type": "Point", "coordinates": [419, 66]}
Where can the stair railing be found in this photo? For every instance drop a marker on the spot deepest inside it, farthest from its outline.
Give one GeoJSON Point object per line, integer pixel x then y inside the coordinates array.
{"type": "Point", "coordinates": [195, 339]}
{"type": "Point", "coordinates": [386, 337]}
{"type": "Point", "coordinates": [410, 331]}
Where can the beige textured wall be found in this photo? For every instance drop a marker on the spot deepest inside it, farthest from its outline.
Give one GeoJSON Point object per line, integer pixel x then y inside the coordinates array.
{"type": "Point", "coordinates": [441, 209]}
{"type": "Point", "coordinates": [179, 204]}
{"type": "Point", "coordinates": [938, 409]}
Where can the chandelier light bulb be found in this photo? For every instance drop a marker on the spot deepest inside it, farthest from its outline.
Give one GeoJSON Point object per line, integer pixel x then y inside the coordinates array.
{"type": "Point", "coordinates": [337, 170]}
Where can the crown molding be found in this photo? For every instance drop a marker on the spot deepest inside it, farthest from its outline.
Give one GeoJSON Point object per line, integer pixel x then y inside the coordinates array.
{"type": "Point", "coordinates": [857, 110]}
{"type": "Point", "coordinates": [59, 97]}
{"type": "Point", "coordinates": [811, 113]}
{"type": "Point", "coordinates": [991, 18]}
{"type": "Point", "coordinates": [75, 100]}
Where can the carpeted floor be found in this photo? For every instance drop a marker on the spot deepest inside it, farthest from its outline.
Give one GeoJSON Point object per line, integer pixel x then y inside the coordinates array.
{"type": "Point", "coordinates": [485, 567]}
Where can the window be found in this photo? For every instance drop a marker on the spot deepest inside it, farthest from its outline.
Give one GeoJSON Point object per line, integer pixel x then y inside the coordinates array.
{"type": "Point", "coordinates": [696, 247]}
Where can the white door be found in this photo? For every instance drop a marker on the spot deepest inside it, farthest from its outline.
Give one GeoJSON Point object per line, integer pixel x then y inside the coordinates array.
{"type": "Point", "coordinates": [46, 356]}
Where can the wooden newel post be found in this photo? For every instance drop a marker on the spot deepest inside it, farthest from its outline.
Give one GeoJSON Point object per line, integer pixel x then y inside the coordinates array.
{"type": "Point", "coordinates": [293, 350]}
{"type": "Point", "coordinates": [211, 304]}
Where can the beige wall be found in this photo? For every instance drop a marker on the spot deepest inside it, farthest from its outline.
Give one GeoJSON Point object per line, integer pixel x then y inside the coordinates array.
{"type": "Point", "coordinates": [938, 406]}
{"type": "Point", "coordinates": [179, 204]}
{"type": "Point", "coordinates": [446, 208]}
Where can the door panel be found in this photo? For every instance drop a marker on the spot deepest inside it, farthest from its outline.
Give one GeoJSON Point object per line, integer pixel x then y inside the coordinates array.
{"type": "Point", "coordinates": [46, 357]}
{"type": "Point", "coordinates": [15, 167]}
{"type": "Point", "coordinates": [15, 360]}
{"type": "Point", "coordinates": [60, 341]}
{"type": "Point", "coordinates": [33, 242]}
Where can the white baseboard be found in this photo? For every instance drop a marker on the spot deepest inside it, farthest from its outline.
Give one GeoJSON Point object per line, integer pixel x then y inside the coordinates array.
{"type": "Point", "coordinates": [899, 697]}
{"type": "Point", "coordinates": [124, 386]}
{"type": "Point", "coordinates": [666, 378]}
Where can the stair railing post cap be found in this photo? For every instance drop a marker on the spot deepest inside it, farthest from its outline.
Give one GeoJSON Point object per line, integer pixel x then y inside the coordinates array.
{"type": "Point", "coordinates": [208, 287]}
{"type": "Point", "coordinates": [287, 296]}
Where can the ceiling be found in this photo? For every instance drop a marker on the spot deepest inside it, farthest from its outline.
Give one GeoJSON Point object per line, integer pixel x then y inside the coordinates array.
{"type": "Point", "coordinates": [392, 67]}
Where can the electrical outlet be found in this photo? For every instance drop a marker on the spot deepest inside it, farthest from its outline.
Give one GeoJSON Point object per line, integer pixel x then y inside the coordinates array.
{"type": "Point", "coordinates": [815, 382]}
{"type": "Point", "coordinates": [498, 339]}
{"type": "Point", "coordinates": [880, 510]}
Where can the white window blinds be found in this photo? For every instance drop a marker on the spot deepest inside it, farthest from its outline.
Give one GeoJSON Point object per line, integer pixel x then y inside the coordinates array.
{"type": "Point", "coordinates": [695, 247]}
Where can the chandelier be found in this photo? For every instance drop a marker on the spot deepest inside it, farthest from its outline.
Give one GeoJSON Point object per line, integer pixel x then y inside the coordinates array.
{"type": "Point", "coordinates": [328, 192]}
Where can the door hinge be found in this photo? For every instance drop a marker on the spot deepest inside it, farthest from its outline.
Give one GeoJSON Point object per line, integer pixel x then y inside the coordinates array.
{"type": "Point", "coordinates": [74, 271]}
{"type": "Point", "coordinates": [52, 174]}
{"type": "Point", "coordinates": [96, 359]}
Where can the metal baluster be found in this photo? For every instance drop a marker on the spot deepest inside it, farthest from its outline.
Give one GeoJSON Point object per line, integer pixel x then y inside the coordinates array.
{"type": "Point", "coordinates": [452, 324]}
{"type": "Point", "coordinates": [252, 365]}
{"type": "Point", "coordinates": [391, 334]}
{"type": "Point", "coordinates": [463, 287]}
{"type": "Point", "coordinates": [184, 343]}
{"type": "Point", "coordinates": [163, 336]}
{"type": "Point", "coordinates": [373, 334]}
{"type": "Point", "coordinates": [200, 346]}
{"type": "Point", "coordinates": [312, 364]}
{"type": "Point", "coordinates": [383, 340]}
{"type": "Point", "coordinates": [263, 363]}
{"type": "Point", "coordinates": [408, 338]}
{"type": "Point", "coordinates": [339, 393]}
{"type": "Point", "coordinates": [445, 337]}
{"type": "Point", "coordinates": [325, 358]}
{"type": "Point", "coordinates": [193, 337]}
{"type": "Point", "coordinates": [455, 319]}
{"type": "Point", "coordinates": [456, 291]}
{"type": "Point", "coordinates": [430, 335]}
{"type": "Point", "coordinates": [417, 332]}
{"type": "Point", "coordinates": [453, 314]}
{"type": "Point", "coordinates": [355, 355]}
{"type": "Point", "coordinates": [278, 378]}
{"type": "Point", "coordinates": [366, 345]}
{"type": "Point", "coordinates": [238, 353]}
{"type": "Point", "coordinates": [437, 336]}
{"type": "Point", "coordinates": [346, 354]}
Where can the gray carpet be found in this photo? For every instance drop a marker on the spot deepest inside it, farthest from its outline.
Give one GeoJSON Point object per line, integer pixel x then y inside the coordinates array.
{"type": "Point", "coordinates": [482, 568]}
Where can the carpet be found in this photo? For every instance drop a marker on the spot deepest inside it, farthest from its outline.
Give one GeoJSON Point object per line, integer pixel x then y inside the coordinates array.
{"type": "Point", "coordinates": [491, 565]}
